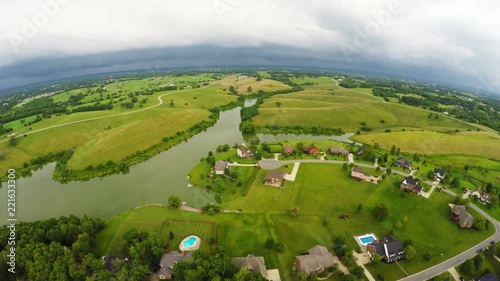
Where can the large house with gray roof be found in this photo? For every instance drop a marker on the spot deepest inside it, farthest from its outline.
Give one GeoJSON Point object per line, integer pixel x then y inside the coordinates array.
{"type": "Point", "coordinates": [460, 215]}
{"type": "Point", "coordinates": [317, 260]}
{"type": "Point", "coordinates": [168, 261]}
{"type": "Point", "coordinates": [257, 264]}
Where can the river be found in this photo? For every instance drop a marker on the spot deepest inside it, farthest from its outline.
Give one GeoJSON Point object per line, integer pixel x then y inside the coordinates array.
{"type": "Point", "coordinates": [149, 182]}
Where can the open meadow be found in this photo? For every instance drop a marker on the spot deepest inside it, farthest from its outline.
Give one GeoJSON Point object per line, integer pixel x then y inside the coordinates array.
{"type": "Point", "coordinates": [116, 136]}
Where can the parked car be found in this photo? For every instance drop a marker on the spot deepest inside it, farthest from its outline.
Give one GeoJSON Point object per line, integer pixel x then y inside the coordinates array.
{"type": "Point", "coordinates": [479, 250]}
{"type": "Point", "coordinates": [492, 242]}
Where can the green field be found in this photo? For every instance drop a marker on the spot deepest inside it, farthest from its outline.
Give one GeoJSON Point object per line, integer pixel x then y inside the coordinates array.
{"type": "Point", "coordinates": [346, 109]}
{"type": "Point", "coordinates": [115, 137]}
{"type": "Point", "coordinates": [324, 192]}
{"type": "Point", "coordinates": [241, 85]}
{"type": "Point", "coordinates": [473, 143]}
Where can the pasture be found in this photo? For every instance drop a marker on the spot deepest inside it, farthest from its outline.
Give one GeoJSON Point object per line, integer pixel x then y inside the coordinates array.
{"type": "Point", "coordinates": [347, 109]}
{"type": "Point", "coordinates": [467, 143]}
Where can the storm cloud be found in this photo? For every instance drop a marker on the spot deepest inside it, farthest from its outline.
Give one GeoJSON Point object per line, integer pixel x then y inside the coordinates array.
{"type": "Point", "coordinates": [452, 41]}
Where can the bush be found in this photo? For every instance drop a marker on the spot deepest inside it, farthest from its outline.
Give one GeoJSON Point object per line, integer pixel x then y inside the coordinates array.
{"type": "Point", "coordinates": [269, 243]}
{"type": "Point", "coordinates": [171, 235]}
{"type": "Point", "coordinates": [427, 256]}
{"type": "Point", "coordinates": [279, 247]}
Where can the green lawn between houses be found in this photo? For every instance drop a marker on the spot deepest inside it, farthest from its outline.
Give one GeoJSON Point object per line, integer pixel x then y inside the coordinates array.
{"type": "Point", "coordinates": [323, 192]}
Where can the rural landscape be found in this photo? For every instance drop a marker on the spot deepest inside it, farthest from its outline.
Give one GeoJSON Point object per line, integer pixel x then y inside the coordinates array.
{"type": "Point", "coordinates": [230, 140]}
{"type": "Point", "coordinates": [336, 177]}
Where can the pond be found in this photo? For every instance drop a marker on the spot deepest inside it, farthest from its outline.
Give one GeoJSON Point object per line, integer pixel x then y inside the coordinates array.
{"type": "Point", "coordinates": [149, 182]}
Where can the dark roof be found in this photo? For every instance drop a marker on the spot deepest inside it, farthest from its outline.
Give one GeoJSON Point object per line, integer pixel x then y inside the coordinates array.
{"type": "Point", "coordinates": [168, 261]}
{"type": "Point", "coordinates": [361, 171]}
{"type": "Point", "coordinates": [390, 248]}
{"type": "Point", "coordinates": [439, 172]}
{"type": "Point", "coordinates": [109, 265]}
{"type": "Point", "coordinates": [410, 181]}
{"type": "Point", "coordinates": [488, 277]}
{"type": "Point", "coordinates": [418, 188]}
{"type": "Point", "coordinates": [360, 149]}
{"type": "Point", "coordinates": [389, 237]}
{"type": "Point", "coordinates": [402, 161]}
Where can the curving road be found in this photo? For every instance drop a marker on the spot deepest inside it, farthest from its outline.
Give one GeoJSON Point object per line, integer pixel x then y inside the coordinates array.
{"type": "Point", "coordinates": [160, 102]}
{"type": "Point", "coordinates": [432, 271]}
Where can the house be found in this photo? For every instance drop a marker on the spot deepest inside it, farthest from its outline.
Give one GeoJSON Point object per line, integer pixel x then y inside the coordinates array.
{"type": "Point", "coordinates": [316, 261]}
{"type": "Point", "coordinates": [245, 152]}
{"type": "Point", "coordinates": [109, 263]}
{"type": "Point", "coordinates": [310, 149]}
{"type": "Point", "coordinates": [360, 150]}
{"type": "Point", "coordinates": [439, 174]}
{"type": "Point", "coordinates": [403, 163]}
{"type": "Point", "coordinates": [483, 197]}
{"type": "Point", "coordinates": [257, 264]}
{"type": "Point", "coordinates": [360, 174]}
{"type": "Point", "coordinates": [460, 215]}
{"type": "Point", "coordinates": [274, 178]}
{"type": "Point", "coordinates": [487, 277]}
{"type": "Point", "coordinates": [390, 249]}
{"type": "Point", "coordinates": [288, 149]}
{"type": "Point", "coordinates": [168, 261]}
{"type": "Point", "coordinates": [410, 185]}
{"type": "Point", "coordinates": [335, 150]}
{"type": "Point", "coordinates": [220, 167]}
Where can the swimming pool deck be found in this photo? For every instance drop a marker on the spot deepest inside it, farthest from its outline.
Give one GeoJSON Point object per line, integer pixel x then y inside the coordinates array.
{"type": "Point", "coordinates": [360, 243]}
{"type": "Point", "coordinates": [196, 245]}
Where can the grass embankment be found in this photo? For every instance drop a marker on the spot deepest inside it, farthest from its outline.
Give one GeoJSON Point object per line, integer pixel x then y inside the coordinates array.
{"type": "Point", "coordinates": [323, 192]}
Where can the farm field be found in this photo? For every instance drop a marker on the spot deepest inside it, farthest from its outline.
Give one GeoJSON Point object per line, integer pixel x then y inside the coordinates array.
{"type": "Point", "coordinates": [473, 143]}
{"type": "Point", "coordinates": [346, 109]}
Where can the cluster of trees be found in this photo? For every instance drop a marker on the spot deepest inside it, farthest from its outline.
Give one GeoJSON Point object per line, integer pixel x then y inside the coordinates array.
{"type": "Point", "coordinates": [277, 246]}
{"type": "Point", "coordinates": [43, 106]}
{"type": "Point", "coordinates": [95, 107]}
{"type": "Point", "coordinates": [54, 249]}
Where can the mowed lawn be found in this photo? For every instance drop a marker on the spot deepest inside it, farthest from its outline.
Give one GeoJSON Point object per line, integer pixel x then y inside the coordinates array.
{"type": "Point", "coordinates": [323, 192]}
{"type": "Point", "coordinates": [238, 234]}
{"type": "Point", "coordinates": [473, 143]}
{"type": "Point", "coordinates": [346, 109]}
{"type": "Point", "coordinates": [115, 137]}
{"type": "Point", "coordinates": [161, 221]}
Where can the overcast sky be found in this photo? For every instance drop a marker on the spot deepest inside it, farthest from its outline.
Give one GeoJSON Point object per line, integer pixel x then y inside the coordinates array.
{"type": "Point", "coordinates": [453, 41]}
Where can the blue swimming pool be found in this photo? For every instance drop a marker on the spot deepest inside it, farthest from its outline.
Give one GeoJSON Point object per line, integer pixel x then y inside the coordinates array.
{"type": "Point", "coordinates": [367, 240]}
{"type": "Point", "coordinates": [189, 242]}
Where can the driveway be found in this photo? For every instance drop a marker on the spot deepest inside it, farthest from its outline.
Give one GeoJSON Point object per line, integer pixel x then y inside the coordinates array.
{"type": "Point", "coordinates": [270, 164]}
{"type": "Point", "coordinates": [293, 174]}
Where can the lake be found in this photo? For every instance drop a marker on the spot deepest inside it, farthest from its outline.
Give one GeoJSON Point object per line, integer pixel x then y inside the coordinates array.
{"type": "Point", "coordinates": [149, 182]}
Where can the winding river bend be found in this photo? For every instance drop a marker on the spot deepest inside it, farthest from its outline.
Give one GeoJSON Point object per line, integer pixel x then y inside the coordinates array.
{"type": "Point", "coordinates": [150, 182]}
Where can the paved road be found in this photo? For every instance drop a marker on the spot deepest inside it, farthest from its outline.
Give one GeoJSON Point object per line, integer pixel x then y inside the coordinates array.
{"type": "Point", "coordinates": [444, 266]}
